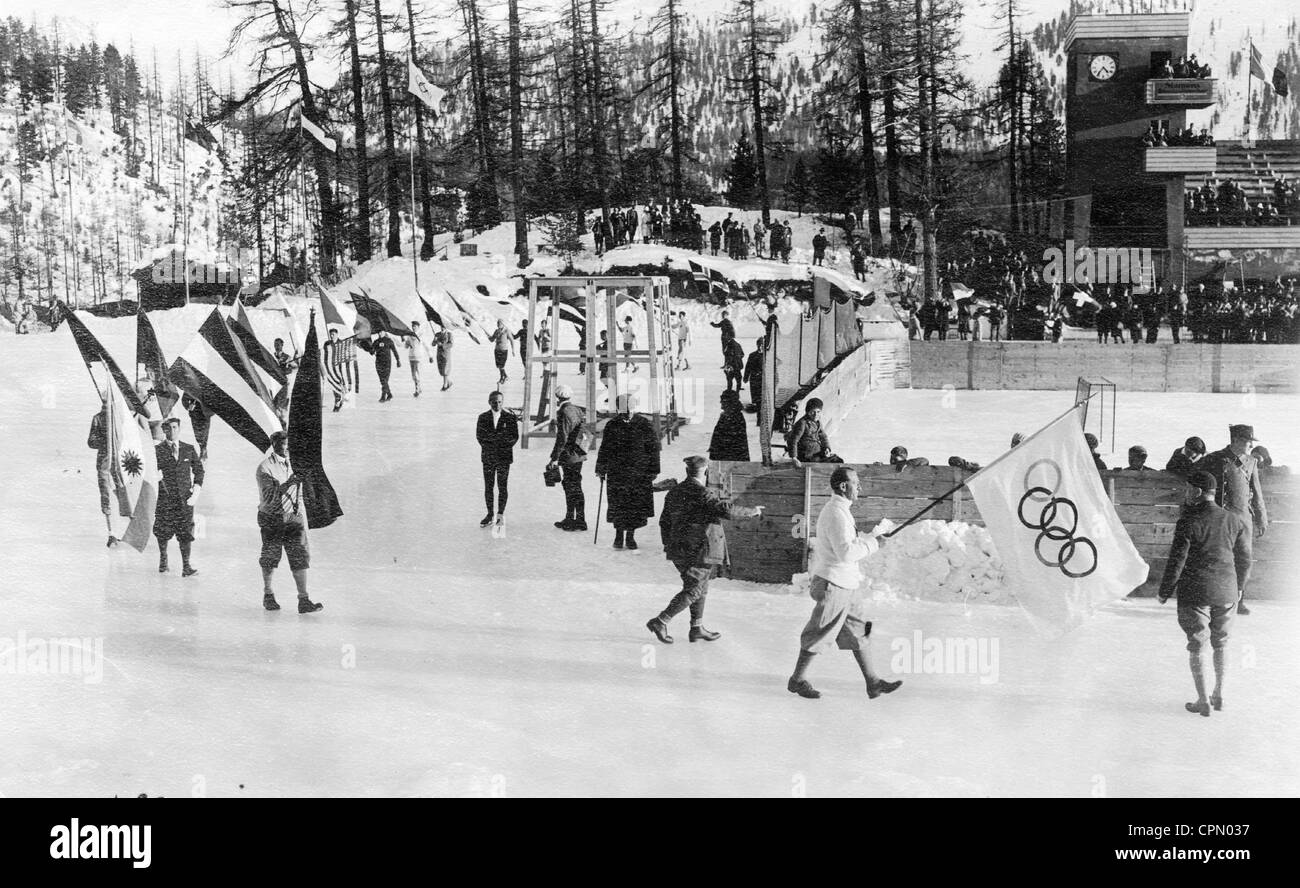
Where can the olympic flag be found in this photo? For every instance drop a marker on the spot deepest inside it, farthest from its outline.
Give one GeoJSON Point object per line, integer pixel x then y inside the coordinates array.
{"type": "Point", "coordinates": [1064, 550]}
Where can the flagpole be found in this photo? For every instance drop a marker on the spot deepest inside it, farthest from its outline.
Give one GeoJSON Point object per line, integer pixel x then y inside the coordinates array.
{"type": "Point", "coordinates": [185, 215]}
{"type": "Point", "coordinates": [410, 142]}
{"type": "Point", "coordinates": [943, 496]}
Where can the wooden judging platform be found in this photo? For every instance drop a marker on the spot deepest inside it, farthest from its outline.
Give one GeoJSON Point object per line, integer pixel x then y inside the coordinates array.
{"type": "Point", "coordinates": [773, 548]}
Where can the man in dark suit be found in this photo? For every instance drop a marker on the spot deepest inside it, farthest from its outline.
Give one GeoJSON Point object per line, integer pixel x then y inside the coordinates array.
{"type": "Point", "coordinates": [695, 542]}
{"type": "Point", "coordinates": [497, 432]}
{"type": "Point", "coordinates": [1236, 472]}
{"type": "Point", "coordinates": [1208, 566]}
{"type": "Point", "coordinates": [180, 478]}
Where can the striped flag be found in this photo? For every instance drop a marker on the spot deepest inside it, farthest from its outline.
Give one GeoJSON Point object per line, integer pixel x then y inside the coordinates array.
{"type": "Point", "coordinates": [376, 316]}
{"type": "Point", "coordinates": [1257, 63]}
{"type": "Point", "coordinates": [320, 503]}
{"type": "Point", "coordinates": [242, 326]}
{"type": "Point", "coordinates": [215, 369]}
{"type": "Point", "coordinates": [306, 124]}
{"type": "Point", "coordinates": [134, 469]}
{"type": "Point", "coordinates": [700, 275]}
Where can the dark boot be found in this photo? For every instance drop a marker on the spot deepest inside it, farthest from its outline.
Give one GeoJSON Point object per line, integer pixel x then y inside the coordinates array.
{"type": "Point", "coordinates": [660, 630]}
{"type": "Point", "coordinates": [186, 569]}
{"type": "Point", "coordinates": [629, 540]}
{"type": "Point", "coordinates": [307, 606]}
{"type": "Point", "coordinates": [269, 602]}
{"type": "Point", "coordinates": [797, 683]}
{"type": "Point", "coordinates": [699, 633]}
{"type": "Point", "coordinates": [618, 539]}
{"type": "Point", "coordinates": [487, 519]}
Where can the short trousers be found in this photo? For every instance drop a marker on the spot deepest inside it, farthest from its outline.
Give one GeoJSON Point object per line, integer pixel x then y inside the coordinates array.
{"type": "Point", "coordinates": [278, 536]}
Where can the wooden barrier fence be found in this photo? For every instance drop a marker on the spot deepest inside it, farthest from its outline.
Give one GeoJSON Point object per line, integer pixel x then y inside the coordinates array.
{"type": "Point", "coordinates": [775, 547]}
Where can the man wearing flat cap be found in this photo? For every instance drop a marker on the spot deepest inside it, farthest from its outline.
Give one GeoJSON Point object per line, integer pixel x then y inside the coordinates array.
{"type": "Point", "coordinates": [282, 524]}
{"type": "Point", "coordinates": [180, 477]}
{"type": "Point", "coordinates": [1236, 473]}
{"type": "Point", "coordinates": [1185, 459]}
{"type": "Point", "coordinates": [1137, 459]}
{"type": "Point", "coordinates": [696, 543]}
{"type": "Point", "coordinates": [1207, 567]}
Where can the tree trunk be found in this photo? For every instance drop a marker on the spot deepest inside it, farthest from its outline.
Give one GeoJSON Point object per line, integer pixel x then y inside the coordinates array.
{"type": "Point", "coordinates": [361, 222]}
{"type": "Point", "coordinates": [674, 101]}
{"type": "Point", "coordinates": [517, 137]}
{"type": "Point", "coordinates": [929, 282]}
{"type": "Point", "coordinates": [872, 187]}
{"type": "Point", "coordinates": [577, 64]}
{"type": "Point", "coordinates": [393, 188]}
{"type": "Point", "coordinates": [756, 103]}
{"type": "Point", "coordinates": [596, 98]}
{"type": "Point", "coordinates": [426, 198]}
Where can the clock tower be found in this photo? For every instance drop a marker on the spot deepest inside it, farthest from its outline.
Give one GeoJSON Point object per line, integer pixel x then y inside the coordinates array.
{"type": "Point", "coordinates": [1116, 88]}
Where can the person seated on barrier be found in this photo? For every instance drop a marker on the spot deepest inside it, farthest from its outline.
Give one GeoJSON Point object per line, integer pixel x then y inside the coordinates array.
{"type": "Point", "coordinates": [898, 459]}
{"type": "Point", "coordinates": [806, 441]}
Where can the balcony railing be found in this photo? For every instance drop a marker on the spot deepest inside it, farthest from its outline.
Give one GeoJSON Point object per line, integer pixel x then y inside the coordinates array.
{"type": "Point", "coordinates": [1189, 92]}
{"type": "Point", "coordinates": [1183, 159]}
{"type": "Point", "coordinates": [1253, 237]}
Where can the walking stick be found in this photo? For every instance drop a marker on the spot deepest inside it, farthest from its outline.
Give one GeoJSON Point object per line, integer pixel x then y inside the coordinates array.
{"type": "Point", "coordinates": [599, 499]}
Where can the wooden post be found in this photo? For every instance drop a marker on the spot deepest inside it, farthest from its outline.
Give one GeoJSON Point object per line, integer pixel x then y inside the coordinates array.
{"type": "Point", "coordinates": [807, 516]}
{"type": "Point", "coordinates": [528, 365]}
{"type": "Point", "coordinates": [652, 315]}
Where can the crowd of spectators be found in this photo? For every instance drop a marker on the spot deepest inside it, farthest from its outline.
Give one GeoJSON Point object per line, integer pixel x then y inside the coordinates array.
{"type": "Point", "coordinates": [1187, 138]}
{"type": "Point", "coordinates": [1225, 202]}
{"type": "Point", "coordinates": [1185, 68]}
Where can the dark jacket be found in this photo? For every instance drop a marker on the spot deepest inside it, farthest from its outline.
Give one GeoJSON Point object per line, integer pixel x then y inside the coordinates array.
{"type": "Point", "coordinates": [97, 440]}
{"type": "Point", "coordinates": [754, 374]}
{"type": "Point", "coordinates": [177, 477]}
{"type": "Point", "coordinates": [629, 461]}
{"type": "Point", "coordinates": [730, 438]}
{"type": "Point", "coordinates": [569, 418]}
{"type": "Point", "coordinates": [1210, 558]}
{"type": "Point", "coordinates": [385, 353]}
{"type": "Point", "coordinates": [733, 355]}
{"type": "Point", "coordinates": [728, 329]}
{"type": "Point", "coordinates": [497, 441]}
{"type": "Point", "coordinates": [807, 442]}
{"type": "Point", "coordinates": [691, 525]}
{"type": "Point", "coordinates": [1239, 488]}
{"type": "Point", "coordinates": [1181, 464]}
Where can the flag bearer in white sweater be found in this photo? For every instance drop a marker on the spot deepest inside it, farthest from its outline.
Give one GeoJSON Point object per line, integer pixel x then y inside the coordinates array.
{"type": "Point", "coordinates": [835, 578]}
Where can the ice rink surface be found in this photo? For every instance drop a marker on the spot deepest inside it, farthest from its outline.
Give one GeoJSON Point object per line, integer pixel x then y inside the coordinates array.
{"type": "Point", "coordinates": [447, 662]}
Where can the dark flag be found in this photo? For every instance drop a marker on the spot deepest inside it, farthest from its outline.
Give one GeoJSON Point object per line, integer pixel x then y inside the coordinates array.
{"type": "Point", "coordinates": [320, 501]}
{"type": "Point", "coordinates": [718, 281]}
{"type": "Point", "coordinates": [149, 353]}
{"type": "Point", "coordinates": [466, 318]}
{"type": "Point", "coordinates": [92, 352]}
{"type": "Point", "coordinates": [242, 326]}
{"type": "Point", "coordinates": [376, 316]}
{"type": "Point", "coordinates": [431, 313]}
{"type": "Point", "coordinates": [1280, 86]}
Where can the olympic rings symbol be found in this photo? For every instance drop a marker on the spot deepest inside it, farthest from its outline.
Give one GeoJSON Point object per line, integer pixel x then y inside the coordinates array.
{"type": "Point", "coordinates": [1057, 520]}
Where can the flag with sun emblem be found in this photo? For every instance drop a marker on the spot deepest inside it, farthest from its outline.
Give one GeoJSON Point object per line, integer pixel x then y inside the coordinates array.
{"type": "Point", "coordinates": [135, 471]}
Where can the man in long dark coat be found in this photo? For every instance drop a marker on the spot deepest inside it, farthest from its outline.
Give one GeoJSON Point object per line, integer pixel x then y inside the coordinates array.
{"type": "Point", "coordinates": [754, 374]}
{"type": "Point", "coordinates": [628, 462]}
{"type": "Point", "coordinates": [730, 439]}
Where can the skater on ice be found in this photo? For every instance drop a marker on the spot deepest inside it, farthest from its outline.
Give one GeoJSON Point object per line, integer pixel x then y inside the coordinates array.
{"type": "Point", "coordinates": [835, 620]}
{"type": "Point", "coordinates": [695, 541]}
{"type": "Point", "coordinates": [385, 356]}
{"type": "Point", "coordinates": [180, 478]}
{"type": "Point", "coordinates": [497, 433]}
{"type": "Point", "coordinates": [282, 524]}
{"type": "Point", "coordinates": [1207, 570]}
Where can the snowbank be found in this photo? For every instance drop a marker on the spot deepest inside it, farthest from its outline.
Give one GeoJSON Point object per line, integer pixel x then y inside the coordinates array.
{"type": "Point", "coordinates": [945, 561]}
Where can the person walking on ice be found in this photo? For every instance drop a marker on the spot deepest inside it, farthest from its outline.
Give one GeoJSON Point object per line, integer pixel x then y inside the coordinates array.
{"type": "Point", "coordinates": [503, 346]}
{"type": "Point", "coordinates": [835, 578]}
{"type": "Point", "coordinates": [683, 340]}
{"type": "Point", "coordinates": [180, 478]}
{"type": "Point", "coordinates": [416, 354]}
{"type": "Point", "coordinates": [282, 524]}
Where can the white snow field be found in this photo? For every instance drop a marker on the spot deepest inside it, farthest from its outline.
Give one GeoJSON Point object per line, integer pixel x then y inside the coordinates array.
{"type": "Point", "coordinates": [450, 663]}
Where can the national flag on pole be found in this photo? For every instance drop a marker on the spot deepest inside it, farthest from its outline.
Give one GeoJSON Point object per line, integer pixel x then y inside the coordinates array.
{"type": "Point", "coordinates": [961, 292]}
{"type": "Point", "coordinates": [1082, 298]}
{"type": "Point", "coordinates": [1280, 85]}
{"type": "Point", "coordinates": [1063, 548]}
{"type": "Point", "coordinates": [215, 369]}
{"type": "Point", "coordinates": [419, 86]}
{"type": "Point", "coordinates": [93, 352]}
{"type": "Point", "coordinates": [134, 469]}
{"type": "Point", "coordinates": [467, 319]}
{"type": "Point", "coordinates": [306, 123]}
{"type": "Point", "coordinates": [333, 312]}
{"type": "Point", "coordinates": [700, 275]}
{"type": "Point", "coordinates": [376, 316]}
{"type": "Point", "coordinates": [718, 281]}
{"type": "Point", "coordinates": [1257, 63]}
{"type": "Point", "coordinates": [149, 355]}
{"type": "Point", "coordinates": [319, 501]}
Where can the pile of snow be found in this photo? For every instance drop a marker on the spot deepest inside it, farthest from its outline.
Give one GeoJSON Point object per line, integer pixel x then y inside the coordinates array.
{"type": "Point", "coordinates": [946, 561]}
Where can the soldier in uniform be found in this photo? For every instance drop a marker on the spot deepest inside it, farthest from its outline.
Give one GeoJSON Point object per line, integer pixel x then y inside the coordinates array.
{"type": "Point", "coordinates": [696, 543]}
{"type": "Point", "coordinates": [1236, 474]}
{"type": "Point", "coordinates": [180, 478]}
{"type": "Point", "coordinates": [1207, 569]}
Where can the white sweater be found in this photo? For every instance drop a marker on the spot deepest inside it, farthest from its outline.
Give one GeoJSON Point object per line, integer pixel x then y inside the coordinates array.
{"type": "Point", "coordinates": [838, 546]}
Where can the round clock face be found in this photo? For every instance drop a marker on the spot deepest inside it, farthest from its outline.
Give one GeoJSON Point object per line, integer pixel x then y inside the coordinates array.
{"type": "Point", "coordinates": [1102, 67]}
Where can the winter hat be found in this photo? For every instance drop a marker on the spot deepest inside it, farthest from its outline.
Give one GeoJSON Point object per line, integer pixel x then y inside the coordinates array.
{"type": "Point", "coordinates": [563, 392]}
